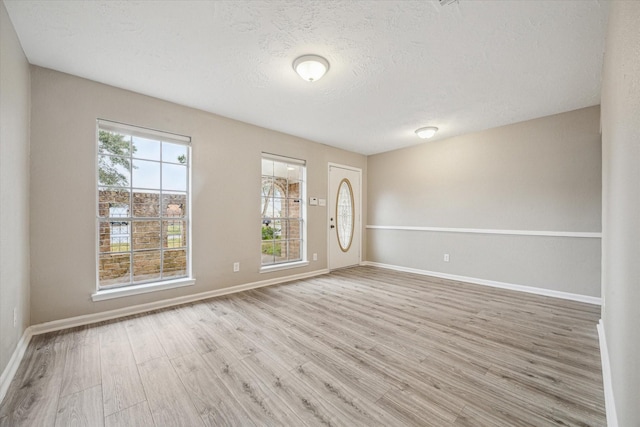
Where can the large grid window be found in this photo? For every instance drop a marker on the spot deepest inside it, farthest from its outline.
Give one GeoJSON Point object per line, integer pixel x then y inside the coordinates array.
{"type": "Point", "coordinates": [283, 210]}
{"type": "Point", "coordinates": [143, 200]}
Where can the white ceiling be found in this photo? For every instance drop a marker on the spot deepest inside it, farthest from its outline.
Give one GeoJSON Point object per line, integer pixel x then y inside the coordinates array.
{"type": "Point", "coordinates": [395, 65]}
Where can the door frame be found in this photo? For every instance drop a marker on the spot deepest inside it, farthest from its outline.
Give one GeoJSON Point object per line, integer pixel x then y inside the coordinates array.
{"type": "Point", "coordinates": [359, 207]}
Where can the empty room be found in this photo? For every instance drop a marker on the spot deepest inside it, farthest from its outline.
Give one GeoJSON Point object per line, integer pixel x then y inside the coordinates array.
{"type": "Point", "coordinates": [306, 213]}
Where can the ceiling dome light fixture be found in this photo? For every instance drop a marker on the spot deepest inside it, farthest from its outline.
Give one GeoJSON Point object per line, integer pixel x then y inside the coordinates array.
{"type": "Point", "coordinates": [311, 67]}
{"type": "Point", "coordinates": [426, 133]}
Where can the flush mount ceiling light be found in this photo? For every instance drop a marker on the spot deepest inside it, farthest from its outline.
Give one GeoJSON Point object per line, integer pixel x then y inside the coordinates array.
{"type": "Point", "coordinates": [426, 133]}
{"type": "Point", "coordinates": [311, 67]}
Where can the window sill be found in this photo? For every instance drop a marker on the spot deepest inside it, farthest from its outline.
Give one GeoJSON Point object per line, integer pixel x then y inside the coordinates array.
{"type": "Point", "coordinates": [106, 294]}
{"type": "Point", "coordinates": [278, 267]}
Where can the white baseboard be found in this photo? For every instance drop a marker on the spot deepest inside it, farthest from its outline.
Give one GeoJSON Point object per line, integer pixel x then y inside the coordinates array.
{"type": "Point", "coordinates": [612, 416]}
{"type": "Point", "coordinates": [529, 289]}
{"type": "Point", "coordinates": [12, 367]}
{"type": "Point", "coordinates": [141, 308]}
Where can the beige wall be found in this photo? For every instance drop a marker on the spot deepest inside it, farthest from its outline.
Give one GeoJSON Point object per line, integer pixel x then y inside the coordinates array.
{"type": "Point", "coordinates": [225, 201]}
{"type": "Point", "coordinates": [621, 207]}
{"type": "Point", "coordinates": [14, 189]}
{"type": "Point", "coordinates": [539, 175]}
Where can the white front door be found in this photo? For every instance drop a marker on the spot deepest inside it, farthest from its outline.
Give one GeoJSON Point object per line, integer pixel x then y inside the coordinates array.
{"type": "Point", "coordinates": [344, 216]}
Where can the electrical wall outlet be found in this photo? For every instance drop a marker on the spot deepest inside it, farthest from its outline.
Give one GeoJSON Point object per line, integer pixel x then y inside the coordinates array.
{"type": "Point", "coordinates": [315, 257]}
{"type": "Point", "coordinates": [236, 267]}
{"type": "Point", "coordinates": [446, 257]}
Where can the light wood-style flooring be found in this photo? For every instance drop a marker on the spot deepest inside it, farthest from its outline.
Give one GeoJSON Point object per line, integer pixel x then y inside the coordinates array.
{"type": "Point", "coordinates": [358, 347]}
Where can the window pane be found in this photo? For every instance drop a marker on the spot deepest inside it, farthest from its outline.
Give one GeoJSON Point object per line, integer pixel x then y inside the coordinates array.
{"type": "Point", "coordinates": [293, 189]}
{"type": "Point", "coordinates": [146, 204]}
{"type": "Point", "coordinates": [146, 235]}
{"type": "Point", "coordinates": [294, 229]}
{"type": "Point", "coordinates": [120, 237]}
{"type": "Point", "coordinates": [118, 211]}
{"type": "Point", "coordinates": [114, 171]}
{"type": "Point", "coordinates": [267, 207]}
{"type": "Point", "coordinates": [113, 143]}
{"type": "Point", "coordinates": [279, 251]}
{"type": "Point", "coordinates": [109, 198]}
{"type": "Point", "coordinates": [294, 172]}
{"type": "Point", "coordinates": [174, 205]}
{"type": "Point", "coordinates": [114, 236]}
{"type": "Point", "coordinates": [146, 266]}
{"type": "Point", "coordinates": [293, 208]}
{"type": "Point", "coordinates": [174, 234]}
{"type": "Point", "coordinates": [279, 208]}
{"type": "Point", "coordinates": [145, 148]}
{"type": "Point", "coordinates": [174, 177]}
{"type": "Point", "coordinates": [294, 250]}
{"type": "Point", "coordinates": [267, 186]}
{"type": "Point", "coordinates": [114, 269]}
{"type": "Point", "coordinates": [268, 231]}
{"type": "Point", "coordinates": [279, 187]}
{"type": "Point", "coordinates": [267, 252]}
{"type": "Point", "coordinates": [278, 227]}
{"type": "Point", "coordinates": [344, 215]}
{"type": "Point", "coordinates": [146, 174]}
{"type": "Point", "coordinates": [267, 167]}
{"type": "Point", "coordinates": [104, 232]}
{"type": "Point", "coordinates": [174, 153]}
{"type": "Point", "coordinates": [280, 170]}
{"type": "Point", "coordinates": [174, 263]}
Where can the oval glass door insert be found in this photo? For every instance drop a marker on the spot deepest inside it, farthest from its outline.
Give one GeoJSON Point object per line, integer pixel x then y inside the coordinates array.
{"type": "Point", "coordinates": [345, 215]}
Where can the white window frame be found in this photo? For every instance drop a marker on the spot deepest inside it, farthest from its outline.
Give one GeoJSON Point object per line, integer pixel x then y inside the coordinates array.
{"type": "Point", "coordinates": [134, 288]}
{"type": "Point", "coordinates": [303, 218]}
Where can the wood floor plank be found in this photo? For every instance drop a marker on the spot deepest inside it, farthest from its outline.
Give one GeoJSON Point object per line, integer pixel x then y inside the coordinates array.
{"type": "Point", "coordinates": [264, 333]}
{"type": "Point", "coordinates": [225, 334]}
{"type": "Point", "coordinates": [83, 408]}
{"type": "Point", "coordinates": [121, 384]}
{"type": "Point", "coordinates": [325, 348]}
{"type": "Point", "coordinates": [208, 393]}
{"type": "Point", "coordinates": [168, 400]}
{"type": "Point", "coordinates": [137, 415]}
{"type": "Point", "coordinates": [413, 409]}
{"type": "Point", "coordinates": [309, 407]}
{"type": "Point", "coordinates": [82, 366]}
{"type": "Point", "coordinates": [352, 408]}
{"type": "Point", "coordinates": [263, 406]}
{"type": "Point", "coordinates": [142, 337]}
{"type": "Point", "coordinates": [198, 332]}
{"type": "Point", "coordinates": [32, 398]}
{"type": "Point", "coordinates": [474, 416]}
{"type": "Point", "coordinates": [174, 338]}
{"type": "Point", "coordinates": [358, 346]}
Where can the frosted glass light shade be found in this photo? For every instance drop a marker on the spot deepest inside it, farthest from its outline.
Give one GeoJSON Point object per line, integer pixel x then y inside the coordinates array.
{"type": "Point", "coordinates": [311, 67]}
{"type": "Point", "coordinates": [426, 133]}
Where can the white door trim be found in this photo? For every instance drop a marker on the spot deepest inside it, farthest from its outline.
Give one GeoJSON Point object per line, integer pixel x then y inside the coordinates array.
{"type": "Point", "coordinates": [362, 227]}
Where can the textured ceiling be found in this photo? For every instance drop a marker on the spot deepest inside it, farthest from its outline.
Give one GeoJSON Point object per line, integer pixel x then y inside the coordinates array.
{"type": "Point", "coordinates": [395, 65]}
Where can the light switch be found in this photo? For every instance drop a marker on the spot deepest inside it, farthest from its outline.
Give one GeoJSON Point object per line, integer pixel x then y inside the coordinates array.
{"type": "Point", "coordinates": [322, 202]}
{"type": "Point", "coordinates": [313, 201]}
